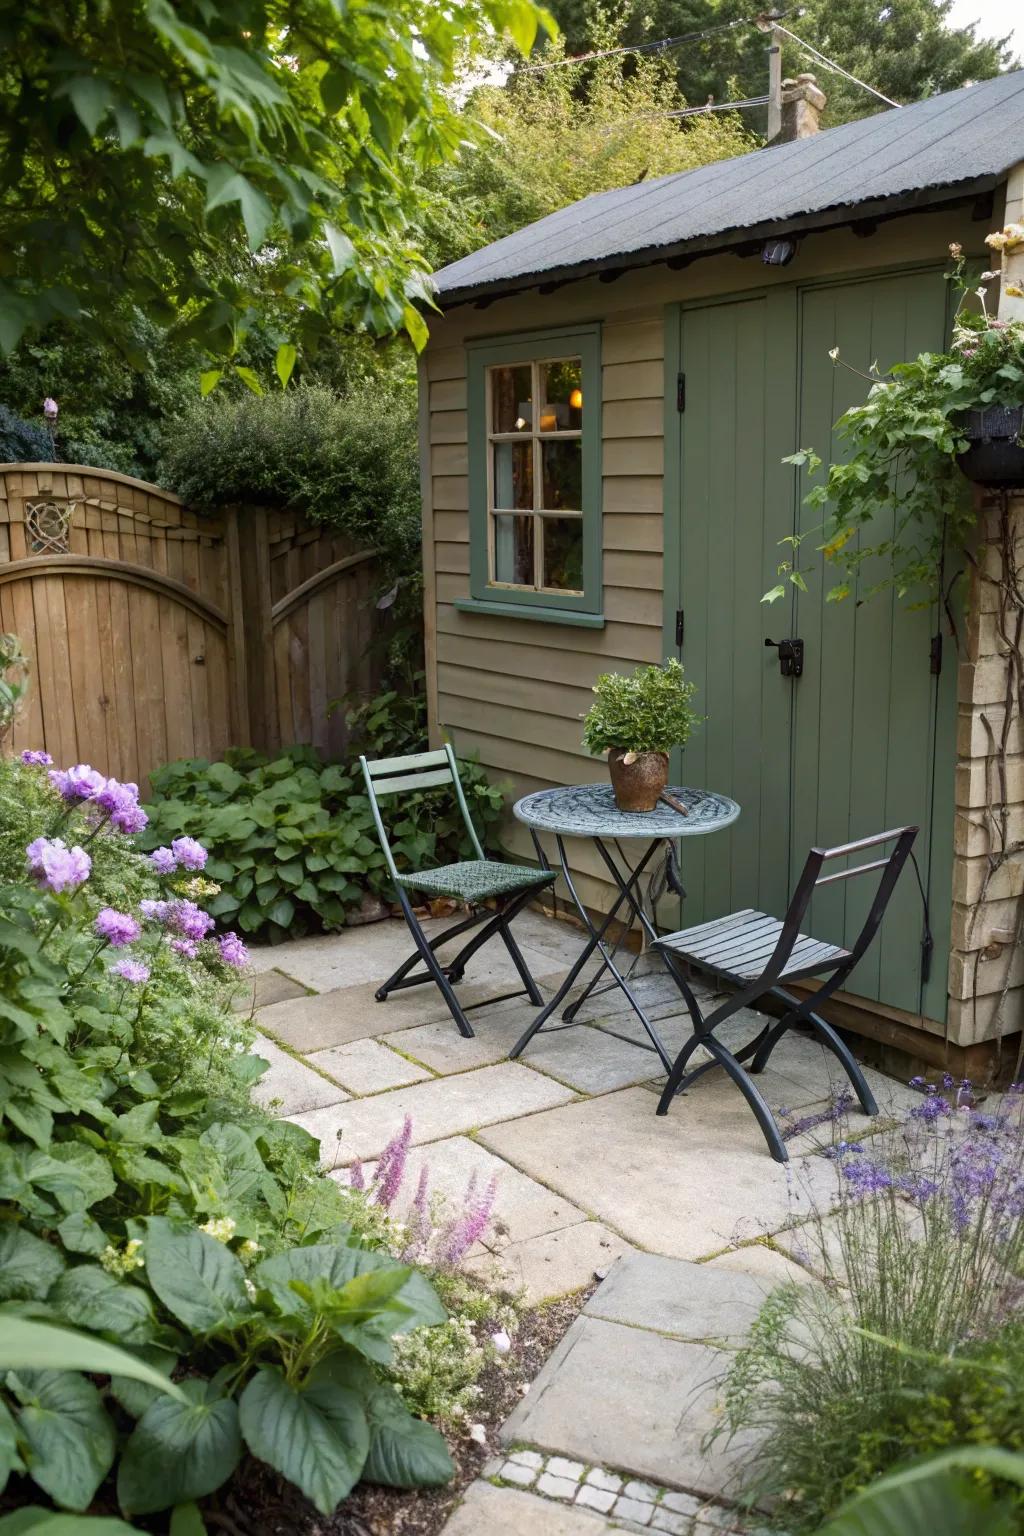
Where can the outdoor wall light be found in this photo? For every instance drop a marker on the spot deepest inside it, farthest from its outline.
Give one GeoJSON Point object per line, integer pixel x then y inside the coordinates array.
{"type": "Point", "coordinates": [778, 253]}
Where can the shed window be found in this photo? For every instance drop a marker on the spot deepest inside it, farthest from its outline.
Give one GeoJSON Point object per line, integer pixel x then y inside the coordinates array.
{"type": "Point", "coordinates": [535, 472]}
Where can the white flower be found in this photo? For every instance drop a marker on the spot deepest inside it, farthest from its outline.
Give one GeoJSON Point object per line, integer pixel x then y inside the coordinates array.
{"type": "Point", "coordinates": [220, 1227]}
{"type": "Point", "coordinates": [478, 1433]}
{"type": "Point", "coordinates": [249, 1250]}
{"type": "Point", "coordinates": [250, 1290]}
{"type": "Point", "coordinates": [122, 1263]}
{"type": "Point", "coordinates": [501, 1342]}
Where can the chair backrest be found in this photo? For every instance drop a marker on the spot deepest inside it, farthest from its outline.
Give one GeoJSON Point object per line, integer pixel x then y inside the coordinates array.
{"type": "Point", "coordinates": [405, 775]}
{"type": "Point", "coordinates": [811, 877]}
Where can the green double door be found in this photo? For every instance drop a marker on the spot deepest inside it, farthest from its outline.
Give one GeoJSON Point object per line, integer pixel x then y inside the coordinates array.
{"type": "Point", "coordinates": [864, 739]}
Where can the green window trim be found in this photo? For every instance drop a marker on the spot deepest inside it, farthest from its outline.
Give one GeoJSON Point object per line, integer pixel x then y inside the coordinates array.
{"type": "Point", "coordinates": [545, 605]}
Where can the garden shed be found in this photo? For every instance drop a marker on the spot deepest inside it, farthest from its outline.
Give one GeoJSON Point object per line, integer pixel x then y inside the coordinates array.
{"type": "Point", "coordinates": [606, 401]}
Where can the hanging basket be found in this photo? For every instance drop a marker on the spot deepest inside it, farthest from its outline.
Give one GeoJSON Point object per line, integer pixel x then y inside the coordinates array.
{"type": "Point", "coordinates": [996, 455]}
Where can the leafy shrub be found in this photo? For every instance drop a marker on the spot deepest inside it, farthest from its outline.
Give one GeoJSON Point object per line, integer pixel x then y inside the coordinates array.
{"type": "Point", "coordinates": [144, 1200]}
{"type": "Point", "coordinates": [23, 442]}
{"type": "Point", "coordinates": [915, 1343]}
{"type": "Point", "coordinates": [292, 840]}
{"type": "Point", "coordinates": [13, 680]}
{"type": "Point", "coordinates": [648, 712]}
{"type": "Point", "coordinates": [349, 461]}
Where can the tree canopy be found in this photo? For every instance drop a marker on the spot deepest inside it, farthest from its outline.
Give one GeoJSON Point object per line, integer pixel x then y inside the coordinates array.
{"type": "Point", "coordinates": [906, 49]}
{"type": "Point", "coordinates": [548, 137]}
{"type": "Point", "coordinates": [193, 161]}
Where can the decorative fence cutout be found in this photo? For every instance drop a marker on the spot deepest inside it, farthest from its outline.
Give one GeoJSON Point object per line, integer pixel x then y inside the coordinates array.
{"type": "Point", "coordinates": [154, 633]}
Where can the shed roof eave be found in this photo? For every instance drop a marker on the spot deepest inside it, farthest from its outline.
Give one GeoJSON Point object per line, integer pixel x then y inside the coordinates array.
{"type": "Point", "coordinates": [922, 200]}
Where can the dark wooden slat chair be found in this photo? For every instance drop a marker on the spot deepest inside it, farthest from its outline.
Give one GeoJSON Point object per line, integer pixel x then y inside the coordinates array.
{"type": "Point", "coordinates": [755, 953]}
{"type": "Point", "coordinates": [471, 881]}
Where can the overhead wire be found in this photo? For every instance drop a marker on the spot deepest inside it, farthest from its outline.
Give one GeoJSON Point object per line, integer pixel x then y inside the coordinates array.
{"type": "Point", "coordinates": [662, 44]}
{"type": "Point", "coordinates": [828, 63]}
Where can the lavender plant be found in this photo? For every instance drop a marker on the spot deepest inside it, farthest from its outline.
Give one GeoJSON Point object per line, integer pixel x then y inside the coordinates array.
{"type": "Point", "coordinates": [914, 1342]}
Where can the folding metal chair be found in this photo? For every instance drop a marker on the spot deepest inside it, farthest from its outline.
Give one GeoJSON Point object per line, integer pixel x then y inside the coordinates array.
{"type": "Point", "coordinates": [472, 881]}
{"type": "Point", "coordinates": [755, 953]}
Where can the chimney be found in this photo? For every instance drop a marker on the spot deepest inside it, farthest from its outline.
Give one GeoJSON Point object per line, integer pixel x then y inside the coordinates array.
{"type": "Point", "coordinates": [803, 101]}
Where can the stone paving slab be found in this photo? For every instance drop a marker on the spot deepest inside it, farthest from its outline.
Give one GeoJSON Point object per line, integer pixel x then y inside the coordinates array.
{"type": "Point", "coordinates": [490, 1511]}
{"type": "Point", "coordinates": [523, 1209]}
{"type": "Point", "coordinates": [366, 1066]}
{"type": "Point", "coordinates": [673, 1296]}
{"type": "Point", "coordinates": [592, 1061]}
{"type": "Point", "coordinates": [439, 1046]}
{"type": "Point", "coordinates": [290, 1087]}
{"type": "Point", "coordinates": [553, 1263]}
{"type": "Point", "coordinates": [440, 1108]}
{"type": "Point", "coordinates": [646, 1400]}
{"type": "Point", "coordinates": [764, 1263]}
{"type": "Point", "coordinates": [263, 988]}
{"type": "Point", "coordinates": [648, 1176]}
{"type": "Point", "coordinates": [313, 1023]}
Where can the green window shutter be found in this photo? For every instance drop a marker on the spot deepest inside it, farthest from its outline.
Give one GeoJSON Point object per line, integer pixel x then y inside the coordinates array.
{"type": "Point", "coordinates": [545, 604]}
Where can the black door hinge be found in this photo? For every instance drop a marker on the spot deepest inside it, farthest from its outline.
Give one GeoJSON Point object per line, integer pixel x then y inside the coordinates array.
{"type": "Point", "coordinates": [680, 391]}
{"type": "Point", "coordinates": [935, 654]}
{"type": "Point", "coordinates": [680, 628]}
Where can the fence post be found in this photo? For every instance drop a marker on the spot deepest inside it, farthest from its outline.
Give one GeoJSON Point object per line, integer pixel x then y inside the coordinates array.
{"type": "Point", "coordinates": [252, 633]}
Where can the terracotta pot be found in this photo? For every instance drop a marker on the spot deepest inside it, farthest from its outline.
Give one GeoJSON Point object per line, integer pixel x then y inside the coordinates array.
{"type": "Point", "coordinates": [637, 784]}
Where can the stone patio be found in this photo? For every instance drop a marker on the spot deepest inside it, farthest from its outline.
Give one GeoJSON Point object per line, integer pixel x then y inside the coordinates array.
{"type": "Point", "coordinates": [688, 1216]}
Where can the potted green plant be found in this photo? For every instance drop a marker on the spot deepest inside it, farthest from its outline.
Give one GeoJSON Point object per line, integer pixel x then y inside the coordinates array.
{"type": "Point", "coordinates": [638, 720]}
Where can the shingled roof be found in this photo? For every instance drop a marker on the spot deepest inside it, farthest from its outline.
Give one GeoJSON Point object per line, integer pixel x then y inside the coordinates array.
{"type": "Point", "coordinates": [949, 146]}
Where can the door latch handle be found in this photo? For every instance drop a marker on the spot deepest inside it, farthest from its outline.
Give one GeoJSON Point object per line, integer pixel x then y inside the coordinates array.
{"type": "Point", "coordinates": [791, 656]}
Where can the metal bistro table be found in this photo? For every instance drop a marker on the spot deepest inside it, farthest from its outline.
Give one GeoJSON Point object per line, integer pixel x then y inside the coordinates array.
{"type": "Point", "coordinates": [589, 810]}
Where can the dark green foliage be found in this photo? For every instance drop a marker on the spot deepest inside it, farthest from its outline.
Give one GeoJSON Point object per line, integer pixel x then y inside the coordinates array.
{"type": "Point", "coordinates": [348, 461]}
{"type": "Point", "coordinates": [907, 51]}
{"type": "Point", "coordinates": [649, 711]}
{"type": "Point", "coordinates": [23, 442]}
{"type": "Point", "coordinates": [145, 1200]}
{"type": "Point", "coordinates": [292, 840]}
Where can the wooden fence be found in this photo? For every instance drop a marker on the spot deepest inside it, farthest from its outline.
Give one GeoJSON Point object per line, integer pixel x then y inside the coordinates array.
{"type": "Point", "coordinates": [154, 633]}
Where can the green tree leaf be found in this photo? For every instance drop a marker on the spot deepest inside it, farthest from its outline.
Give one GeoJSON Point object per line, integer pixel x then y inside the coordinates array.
{"type": "Point", "coordinates": [89, 1297]}
{"type": "Point", "coordinates": [317, 1438]}
{"type": "Point", "coordinates": [209, 379]}
{"type": "Point", "coordinates": [284, 362]}
{"type": "Point", "coordinates": [197, 1278]}
{"type": "Point", "coordinates": [70, 1441]}
{"type": "Point", "coordinates": [179, 1451]}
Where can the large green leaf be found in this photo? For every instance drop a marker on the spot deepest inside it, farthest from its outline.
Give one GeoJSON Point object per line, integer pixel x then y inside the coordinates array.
{"type": "Point", "coordinates": [88, 1296]}
{"type": "Point", "coordinates": [179, 1451]}
{"type": "Point", "coordinates": [25, 1344]}
{"type": "Point", "coordinates": [404, 1451]}
{"type": "Point", "coordinates": [36, 1521]}
{"type": "Point", "coordinates": [317, 1438]}
{"type": "Point", "coordinates": [76, 1175]}
{"type": "Point", "coordinates": [195, 1277]}
{"type": "Point", "coordinates": [70, 1441]}
{"type": "Point", "coordinates": [28, 1266]}
{"type": "Point", "coordinates": [935, 1497]}
{"type": "Point", "coordinates": [135, 1396]}
{"type": "Point", "coordinates": [10, 1459]}
{"type": "Point", "coordinates": [336, 1266]}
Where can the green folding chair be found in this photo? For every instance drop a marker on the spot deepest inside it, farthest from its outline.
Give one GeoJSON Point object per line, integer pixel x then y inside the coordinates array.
{"type": "Point", "coordinates": [472, 881]}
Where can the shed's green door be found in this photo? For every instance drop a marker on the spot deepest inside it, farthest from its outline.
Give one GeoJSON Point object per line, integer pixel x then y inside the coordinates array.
{"type": "Point", "coordinates": [854, 745]}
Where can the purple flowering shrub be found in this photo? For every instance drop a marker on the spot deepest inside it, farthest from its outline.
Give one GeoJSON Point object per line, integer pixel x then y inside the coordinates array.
{"type": "Point", "coordinates": [911, 1337]}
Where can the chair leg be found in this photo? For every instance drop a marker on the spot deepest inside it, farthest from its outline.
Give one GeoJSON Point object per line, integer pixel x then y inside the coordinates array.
{"type": "Point", "coordinates": [430, 960]}
{"type": "Point", "coordinates": [753, 1096]}
{"type": "Point", "coordinates": [416, 956]}
{"type": "Point", "coordinates": [675, 1077]}
{"type": "Point", "coordinates": [533, 992]}
{"type": "Point", "coordinates": [801, 1013]}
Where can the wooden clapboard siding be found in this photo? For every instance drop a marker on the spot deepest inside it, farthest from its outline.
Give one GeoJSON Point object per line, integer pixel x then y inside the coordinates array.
{"type": "Point", "coordinates": [511, 689]}
{"type": "Point", "coordinates": [153, 633]}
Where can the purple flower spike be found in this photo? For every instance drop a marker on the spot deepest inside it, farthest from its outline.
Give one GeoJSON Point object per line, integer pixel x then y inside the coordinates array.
{"type": "Point", "coordinates": [121, 802]}
{"type": "Point", "coordinates": [233, 951]}
{"type": "Point", "coordinates": [188, 921]}
{"type": "Point", "coordinates": [118, 928]}
{"type": "Point", "coordinates": [55, 866]}
{"type": "Point", "coordinates": [866, 1178]}
{"type": "Point", "coordinates": [36, 759]}
{"type": "Point", "coordinates": [931, 1110]}
{"type": "Point", "coordinates": [387, 1181]}
{"type": "Point", "coordinates": [189, 853]}
{"type": "Point", "coordinates": [356, 1176]}
{"type": "Point", "coordinates": [458, 1238]}
{"type": "Point", "coordinates": [186, 948]}
{"type": "Point", "coordinates": [78, 783]}
{"type": "Point", "coordinates": [155, 911]}
{"type": "Point", "coordinates": [163, 861]}
{"type": "Point", "coordinates": [131, 970]}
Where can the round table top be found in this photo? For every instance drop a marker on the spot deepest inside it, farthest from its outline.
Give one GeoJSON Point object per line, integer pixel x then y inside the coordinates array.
{"type": "Point", "coordinates": [589, 810]}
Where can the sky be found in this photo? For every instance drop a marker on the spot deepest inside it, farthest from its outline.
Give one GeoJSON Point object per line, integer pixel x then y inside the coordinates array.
{"type": "Point", "coordinates": [996, 18]}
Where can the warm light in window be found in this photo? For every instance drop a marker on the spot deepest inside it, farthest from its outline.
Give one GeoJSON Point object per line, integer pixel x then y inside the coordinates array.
{"type": "Point", "coordinates": [548, 421]}
{"type": "Point", "coordinates": [576, 399]}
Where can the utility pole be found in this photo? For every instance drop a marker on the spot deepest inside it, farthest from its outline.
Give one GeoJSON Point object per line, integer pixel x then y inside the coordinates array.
{"type": "Point", "coordinates": [767, 23]}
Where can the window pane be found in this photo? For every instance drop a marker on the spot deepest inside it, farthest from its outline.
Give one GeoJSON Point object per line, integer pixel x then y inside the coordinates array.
{"type": "Point", "coordinates": [562, 388]}
{"type": "Point", "coordinates": [511, 399]}
{"type": "Point", "coordinates": [513, 475]}
{"type": "Point", "coordinates": [513, 550]}
{"type": "Point", "coordinates": [563, 475]}
{"type": "Point", "coordinates": [563, 553]}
